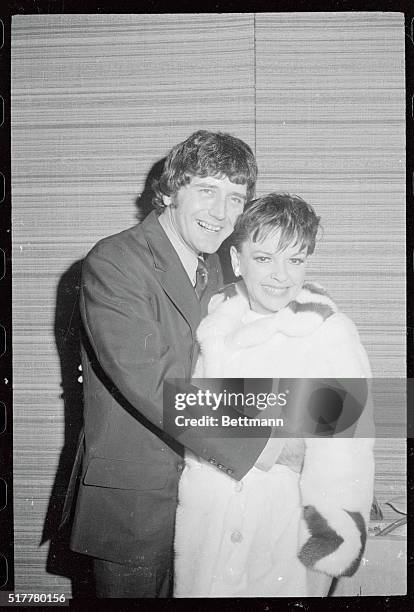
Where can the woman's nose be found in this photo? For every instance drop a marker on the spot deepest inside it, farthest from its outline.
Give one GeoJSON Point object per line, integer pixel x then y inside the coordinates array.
{"type": "Point", "coordinates": [279, 271]}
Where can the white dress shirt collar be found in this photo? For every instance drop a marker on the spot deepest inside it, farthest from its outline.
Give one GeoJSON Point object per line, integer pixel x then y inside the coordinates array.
{"type": "Point", "coordinates": [187, 257]}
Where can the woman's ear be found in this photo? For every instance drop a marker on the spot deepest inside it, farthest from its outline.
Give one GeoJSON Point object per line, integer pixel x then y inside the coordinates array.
{"type": "Point", "coordinates": [166, 200]}
{"type": "Point", "coordinates": [235, 260]}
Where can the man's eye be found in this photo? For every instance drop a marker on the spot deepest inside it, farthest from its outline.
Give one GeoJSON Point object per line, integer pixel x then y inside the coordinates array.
{"type": "Point", "coordinates": [296, 261]}
{"type": "Point", "coordinates": [262, 259]}
{"type": "Point", "coordinates": [207, 191]}
{"type": "Point", "coordinates": [237, 201]}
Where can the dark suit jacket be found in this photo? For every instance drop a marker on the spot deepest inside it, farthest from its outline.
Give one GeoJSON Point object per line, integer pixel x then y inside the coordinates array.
{"type": "Point", "coordinates": [140, 314]}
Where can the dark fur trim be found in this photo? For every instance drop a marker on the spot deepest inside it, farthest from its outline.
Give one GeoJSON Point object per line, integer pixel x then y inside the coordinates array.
{"type": "Point", "coordinates": [323, 541]}
{"type": "Point", "coordinates": [229, 291]}
{"type": "Point", "coordinates": [315, 289]}
{"type": "Point", "coordinates": [324, 310]}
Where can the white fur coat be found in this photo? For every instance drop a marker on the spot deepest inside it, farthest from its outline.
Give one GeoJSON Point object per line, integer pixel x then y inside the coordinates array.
{"type": "Point", "coordinates": [327, 523]}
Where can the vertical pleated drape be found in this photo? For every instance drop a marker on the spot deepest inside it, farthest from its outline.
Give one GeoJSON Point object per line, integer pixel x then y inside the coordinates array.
{"type": "Point", "coordinates": [98, 100]}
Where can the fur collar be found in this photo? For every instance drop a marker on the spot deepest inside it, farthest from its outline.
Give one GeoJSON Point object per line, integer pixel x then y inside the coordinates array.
{"type": "Point", "coordinates": [300, 317]}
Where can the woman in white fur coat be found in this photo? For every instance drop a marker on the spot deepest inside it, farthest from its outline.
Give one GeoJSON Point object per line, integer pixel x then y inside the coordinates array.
{"type": "Point", "coordinates": [279, 532]}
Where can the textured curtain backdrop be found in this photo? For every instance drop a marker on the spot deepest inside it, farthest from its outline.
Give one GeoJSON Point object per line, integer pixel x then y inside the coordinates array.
{"type": "Point", "coordinates": [330, 126]}
{"type": "Point", "coordinates": [97, 101]}
{"type": "Point", "coordinates": [330, 121]}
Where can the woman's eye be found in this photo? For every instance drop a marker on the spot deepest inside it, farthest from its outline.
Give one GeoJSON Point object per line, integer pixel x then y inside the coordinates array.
{"type": "Point", "coordinates": [296, 261]}
{"type": "Point", "coordinates": [262, 259]}
{"type": "Point", "coordinates": [207, 191]}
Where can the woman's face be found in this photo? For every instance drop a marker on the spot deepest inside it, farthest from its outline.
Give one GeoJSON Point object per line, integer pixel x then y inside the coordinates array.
{"type": "Point", "coordinates": [273, 278]}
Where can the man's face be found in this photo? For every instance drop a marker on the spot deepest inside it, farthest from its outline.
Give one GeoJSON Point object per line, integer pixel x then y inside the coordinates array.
{"type": "Point", "coordinates": [204, 211]}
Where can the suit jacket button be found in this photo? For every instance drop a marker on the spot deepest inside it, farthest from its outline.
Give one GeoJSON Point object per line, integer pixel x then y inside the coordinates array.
{"type": "Point", "coordinates": [212, 461]}
{"type": "Point", "coordinates": [229, 471]}
{"type": "Point", "coordinates": [180, 467]}
{"type": "Point", "coordinates": [236, 537]}
{"type": "Point", "coordinates": [220, 466]}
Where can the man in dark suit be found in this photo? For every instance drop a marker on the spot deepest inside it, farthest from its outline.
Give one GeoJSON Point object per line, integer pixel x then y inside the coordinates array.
{"type": "Point", "coordinates": [143, 294]}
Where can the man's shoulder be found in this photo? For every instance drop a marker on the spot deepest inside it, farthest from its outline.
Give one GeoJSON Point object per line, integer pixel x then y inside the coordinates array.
{"type": "Point", "coordinates": [129, 242]}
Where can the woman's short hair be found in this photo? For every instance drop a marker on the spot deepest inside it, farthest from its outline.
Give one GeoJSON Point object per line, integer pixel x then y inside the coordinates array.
{"type": "Point", "coordinates": [295, 218]}
{"type": "Point", "coordinates": [206, 154]}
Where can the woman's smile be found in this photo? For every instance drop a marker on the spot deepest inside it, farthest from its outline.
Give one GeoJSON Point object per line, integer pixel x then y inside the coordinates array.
{"type": "Point", "coordinates": [272, 290]}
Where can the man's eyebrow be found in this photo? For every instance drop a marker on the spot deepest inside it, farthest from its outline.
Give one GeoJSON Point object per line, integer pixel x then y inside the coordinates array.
{"type": "Point", "coordinates": [239, 195]}
{"type": "Point", "coordinates": [202, 183]}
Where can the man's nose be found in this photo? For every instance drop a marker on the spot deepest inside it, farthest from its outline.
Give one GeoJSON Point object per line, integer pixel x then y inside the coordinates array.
{"type": "Point", "coordinates": [218, 208]}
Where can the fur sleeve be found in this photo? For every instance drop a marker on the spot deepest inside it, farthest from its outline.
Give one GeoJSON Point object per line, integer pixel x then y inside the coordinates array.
{"type": "Point", "coordinates": [338, 474]}
{"type": "Point", "coordinates": [338, 343]}
{"type": "Point", "coordinates": [337, 489]}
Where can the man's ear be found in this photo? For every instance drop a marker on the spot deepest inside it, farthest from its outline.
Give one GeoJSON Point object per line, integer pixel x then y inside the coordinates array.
{"type": "Point", "coordinates": [235, 260]}
{"type": "Point", "coordinates": [166, 200]}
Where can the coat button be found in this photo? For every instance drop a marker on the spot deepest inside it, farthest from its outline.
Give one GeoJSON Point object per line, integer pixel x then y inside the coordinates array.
{"type": "Point", "coordinates": [238, 486]}
{"type": "Point", "coordinates": [236, 537]}
{"type": "Point", "coordinates": [180, 467]}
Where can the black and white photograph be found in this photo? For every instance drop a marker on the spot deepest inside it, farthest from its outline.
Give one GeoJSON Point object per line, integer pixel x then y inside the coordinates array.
{"type": "Point", "coordinates": [199, 197]}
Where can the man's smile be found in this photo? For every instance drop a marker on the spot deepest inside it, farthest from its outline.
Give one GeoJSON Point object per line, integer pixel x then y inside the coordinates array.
{"type": "Point", "coordinates": [208, 226]}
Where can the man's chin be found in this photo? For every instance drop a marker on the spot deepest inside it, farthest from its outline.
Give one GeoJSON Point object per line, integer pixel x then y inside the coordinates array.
{"type": "Point", "coordinates": [210, 246]}
{"type": "Point", "coordinates": [213, 245]}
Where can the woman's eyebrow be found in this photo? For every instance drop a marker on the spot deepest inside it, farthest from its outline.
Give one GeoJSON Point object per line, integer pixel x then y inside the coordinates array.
{"type": "Point", "coordinates": [263, 252]}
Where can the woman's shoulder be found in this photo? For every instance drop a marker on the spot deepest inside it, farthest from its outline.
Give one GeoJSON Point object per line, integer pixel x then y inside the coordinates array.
{"type": "Point", "coordinates": [339, 340]}
{"type": "Point", "coordinates": [313, 298]}
{"type": "Point", "coordinates": [340, 326]}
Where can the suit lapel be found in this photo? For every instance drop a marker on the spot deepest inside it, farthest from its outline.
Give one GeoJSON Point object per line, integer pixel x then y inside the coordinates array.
{"type": "Point", "coordinates": [170, 271]}
{"type": "Point", "coordinates": [214, 282]}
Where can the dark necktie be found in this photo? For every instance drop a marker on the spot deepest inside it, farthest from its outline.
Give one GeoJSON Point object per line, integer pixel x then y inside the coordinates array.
{"type": "Point", "coordinates": [201, 278]}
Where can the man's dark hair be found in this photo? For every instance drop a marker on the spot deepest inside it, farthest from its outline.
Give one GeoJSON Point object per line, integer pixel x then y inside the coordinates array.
{"type": "Point", "coordinates": [295, 218]}
{"type": "Point", "coordinates": [206, 154]}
